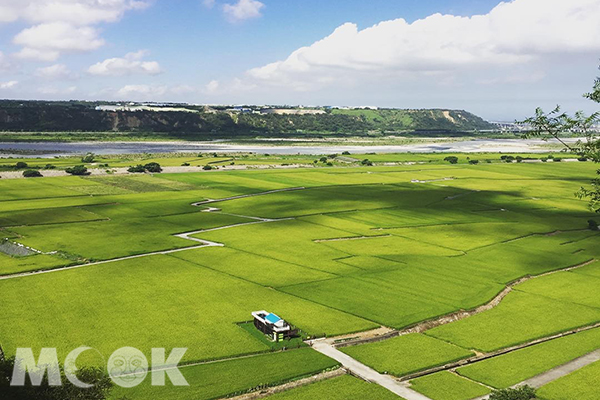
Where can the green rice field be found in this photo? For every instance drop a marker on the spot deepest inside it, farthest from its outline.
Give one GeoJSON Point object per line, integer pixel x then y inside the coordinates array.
{"type": "Point", "coordinates": [348, 249]}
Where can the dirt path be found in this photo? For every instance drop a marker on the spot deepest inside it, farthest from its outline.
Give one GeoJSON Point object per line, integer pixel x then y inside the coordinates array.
{"type": "Point", "coordinates": [367, 373]}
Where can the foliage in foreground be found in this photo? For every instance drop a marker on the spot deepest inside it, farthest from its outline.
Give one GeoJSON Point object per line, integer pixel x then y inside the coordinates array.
{"type": "Point", "coordinates": [555, 123]}
{"type": "Point", "coordinates": [520, 393]}
{"type": "Point", "coordinates": [100, 390]}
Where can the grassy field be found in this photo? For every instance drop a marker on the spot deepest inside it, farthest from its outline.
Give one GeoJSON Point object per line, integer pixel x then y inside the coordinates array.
{"type": "Point", "coordinates": [404, 355]}
{"type": "Point", "coordinates": [510, 369]}
{"type": "Point", "coordinates": [225, 378]}
{"type": "Point", "coordinates": [448, 386]}
{"type": "Point", "coordinates": [581, 385]}
{"type": "Point", "coordinates": [341, 388]}
{"type": "Point", "coordinates": [352, 248]}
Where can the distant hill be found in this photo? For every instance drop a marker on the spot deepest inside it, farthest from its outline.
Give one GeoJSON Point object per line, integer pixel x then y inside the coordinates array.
{"type": "Point", "coordinates": [39, 116]}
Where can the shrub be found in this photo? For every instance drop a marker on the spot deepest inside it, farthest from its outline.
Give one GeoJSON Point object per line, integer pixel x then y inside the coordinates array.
{"type": "Point", "coordinates": [519, 159]}
{"type": "Point", "coordinates": [153, 167]}
{"type": "Point", "coordinates": [582, 159]}
{"type": "Point", "coordinates": [557, 159]}
{"type": "Point", "coordinates": [473, 162]}
{"type": "Point", "coordinates": [323, 159]}
{"type": "Point", "coordinates": [137, 169]}
{"type": "Point", "coordinates": [49, 166]}
{"type": "Point", "coordinates": [21, 165]}
{"type": "Point", "coordinates": [451, 159]}
{"type": "Point", "coordinates": [509, 159]}
{"type": "Point", "coordinates": [185, 164]}
{"type": "Point", "coordinates": [207, 168]}
{"type": "Point", "coordinates": [330, 164]}
{"type": "Point", "coordinates": [520, 393]}
{"type": "Point", "coordinates": [88, 158]}
{"type": "Point", "coordinates": [346, 153]}
{"type": "Point", "coordinates": [366, 162]}
{"type": "Point", "coordinates": [544, 159]}
{"type": "Point", "coordinates": [31, 173]}
{"type": "Point", "coordinates": [593, 225]}
{"type": "Point", "coordinates": [77, 170]}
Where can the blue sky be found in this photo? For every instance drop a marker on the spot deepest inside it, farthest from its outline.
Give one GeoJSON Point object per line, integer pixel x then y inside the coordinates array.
{"type": "Point", "coordinates": [497, 60]}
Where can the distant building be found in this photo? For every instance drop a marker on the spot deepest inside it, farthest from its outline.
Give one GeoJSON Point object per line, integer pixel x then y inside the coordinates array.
{"type": "Point", "coordinates": [273, 326]}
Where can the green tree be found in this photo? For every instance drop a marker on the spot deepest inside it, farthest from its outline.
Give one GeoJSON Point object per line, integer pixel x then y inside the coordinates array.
{"type": "Point", "coordinates": [555, 124]}
{"type": "Point", "coordinates": [451, 159]}
{"type": "Point", "coordinates": [520, 393]}
{"type": "Point", "coordinates": [31, 173]}
{"type": "Point", "coordinates": [138, 169]}
{"type": "Point", "coordinates": [100, 390]}
{"type": "Point", "coordinates": [21, 165]}
{"type": "Point", "coordinates": [88, 158]}
{"type": "Point", "coordinates": [77, 170]}
{"type": "Point", "coordinates": [153, 167]}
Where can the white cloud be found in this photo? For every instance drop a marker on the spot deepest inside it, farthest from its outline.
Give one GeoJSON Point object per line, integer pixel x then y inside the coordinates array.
{"type": "Point", "coordinates": [4, 63]}
{"type": "Point", "coordinates": [212, 86]}
{"type": "Point", "coordinates": [47, 41]}
{"type": "Point", "coordinates": [54, 91]}
{"type": "Point", "coordinates": [135, 92]}
{"type": "Point", "coordinates": [62, 26]}
{"type": "Point", "coordinates": [243, 9]}
{"type": "Point", "coordinates": [514, 33]}
{"type": "Point", "coordinates": [208, 3]}
{"type": "Point", "coordinates": [56, 71]}
{"type": "Point", "coordinates": [131, 64]}
{"type": "Point", "coordinates": [75, 12]}
{"type": "Point", "coordinates": [8, 85]}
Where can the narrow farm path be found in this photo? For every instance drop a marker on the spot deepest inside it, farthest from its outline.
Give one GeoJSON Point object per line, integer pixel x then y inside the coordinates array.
{"type": "Point", "coordinates": [366, 373]}
{"type": "Point", "coordinates": [558, 372]}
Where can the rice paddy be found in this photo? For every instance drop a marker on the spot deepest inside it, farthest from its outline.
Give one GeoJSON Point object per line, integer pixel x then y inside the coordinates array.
{"type": "Point", "coordinates": [349, 250]}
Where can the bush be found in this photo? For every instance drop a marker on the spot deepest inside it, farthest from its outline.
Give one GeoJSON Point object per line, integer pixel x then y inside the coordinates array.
{"type": "Point", "coordinates": [519, 159]}
{"type": "Point", "coordinates": [544, 159]}
{"type": "Point", "coordinates": [21, 165]}
{"type": "Point", "coordinates": [31, 173]}
{"type": "Point", "coordinates": [49, 166]}
{"type": "Point", "coordinates": [451, 159]}
{"type": "Point", "coordinates": [473, 162]}
{"type": "Point", "coordinates": [366, 162]}
{"type": "Point", "coordinates": [185, 164]}
{"type": "Point", "coordinates": [88, 158]}
{"type": "Point", "coordinates": [593, 225]}
{"type": "Point", "coordinates": [346, 153]}
{"type": "Point", "coordinates": [557, 159]}
{"type": "Point", "coordinates": [153, 167]}
{"type": "Point", "coordinates": [323, 159]}
{"type": "Point", "coordinates": [207, 168]}
{"type": "Point", "coordinates": [330, 164]}
{"type": "Point", "coordinates": [138, 169]}
{"type": "Point", "coordinates": [77, 170]}
{"type": "Point", "coordinates": [520, 393]}
{"type": "Point", "coordinates": [582, 159]}
{"type": "Point", "coordinates": [509, 159]}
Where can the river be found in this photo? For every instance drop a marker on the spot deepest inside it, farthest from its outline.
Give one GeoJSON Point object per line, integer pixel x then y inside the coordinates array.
{"type": "Point", "coordinates": [57, 149]}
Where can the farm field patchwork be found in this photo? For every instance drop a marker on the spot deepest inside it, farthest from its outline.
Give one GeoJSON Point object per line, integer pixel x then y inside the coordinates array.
{"type": "Point", "coordinates": [448, 386]}
{"type": "Point", "coordinates": [350, 249]}
{"type": "Point", "coordinates": [404, 355]}
{"type": "Point", "coordinates": [581, 385]}
{"type": "Point", "coordinates": [225, 378]}
{"type": "Point", "coordinates": [510, 369]}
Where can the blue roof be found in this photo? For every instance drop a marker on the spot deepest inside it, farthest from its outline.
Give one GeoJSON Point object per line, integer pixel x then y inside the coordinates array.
{"type": "Point", "coordinates": [272, 318]}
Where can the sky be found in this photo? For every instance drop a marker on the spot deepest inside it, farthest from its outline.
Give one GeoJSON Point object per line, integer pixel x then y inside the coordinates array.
{"type": "Point", "coordinates": [499, 60]}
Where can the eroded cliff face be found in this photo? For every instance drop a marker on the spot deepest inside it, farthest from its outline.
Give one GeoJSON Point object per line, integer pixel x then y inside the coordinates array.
{"type": "Point", "coordinates": [49, 117]}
